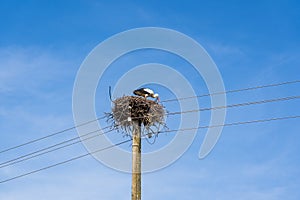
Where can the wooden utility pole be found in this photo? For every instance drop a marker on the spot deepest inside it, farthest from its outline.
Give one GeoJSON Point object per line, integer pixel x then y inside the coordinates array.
{"type": "Point", "coordinates": [136, 161]}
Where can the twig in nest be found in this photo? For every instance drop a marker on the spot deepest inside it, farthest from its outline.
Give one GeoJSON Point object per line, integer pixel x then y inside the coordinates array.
{"type": "Point", "coordinates": [128, 110]}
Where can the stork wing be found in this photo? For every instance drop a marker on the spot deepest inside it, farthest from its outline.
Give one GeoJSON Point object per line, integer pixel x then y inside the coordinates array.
{"type": "Point", "coordinates": [149, 91]}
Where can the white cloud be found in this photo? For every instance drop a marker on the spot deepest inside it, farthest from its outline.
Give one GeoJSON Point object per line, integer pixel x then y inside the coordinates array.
{"type": "Point", "coordinates": [225, 50]}
{"type": "Point", "coordinates": [29, 68]}
{"type": "Point", "coordinates": [94, 182]}
{"type": "Point", "coordinates": [35, 96]}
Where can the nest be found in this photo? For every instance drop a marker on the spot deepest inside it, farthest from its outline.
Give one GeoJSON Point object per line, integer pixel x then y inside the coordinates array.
{"type": "Point", "coordinates": [130, 110]}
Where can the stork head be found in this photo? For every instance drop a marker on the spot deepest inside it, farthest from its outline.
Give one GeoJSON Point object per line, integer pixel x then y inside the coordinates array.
{"type": "Point", "coordinates": [156, 96]}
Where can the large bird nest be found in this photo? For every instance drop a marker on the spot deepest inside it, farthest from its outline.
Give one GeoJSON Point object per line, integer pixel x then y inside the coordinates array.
{"type": "Point", "coordinates": [128, 111]}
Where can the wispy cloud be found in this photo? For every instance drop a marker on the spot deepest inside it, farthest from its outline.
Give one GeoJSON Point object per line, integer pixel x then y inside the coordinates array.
{"type": "Point", "coordinates": [225, 50]}
{"type": "Point", "coordinates": [35, 94]}
{"type": "Point", "coordinates": [30, 68]}
{"type": "Point", "coordinates": [87, 183]}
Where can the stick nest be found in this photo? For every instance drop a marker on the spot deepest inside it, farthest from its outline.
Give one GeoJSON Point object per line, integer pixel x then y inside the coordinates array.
{"type": "Point", "coordinates": [130, 110]}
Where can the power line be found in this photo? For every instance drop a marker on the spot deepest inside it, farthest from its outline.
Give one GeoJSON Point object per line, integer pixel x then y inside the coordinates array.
{"type": "Point", "coordinates": [196, 128]}
{"type": "Point", "coordinates": [237, 105]}
{"type": "Point", "coordinates": [37, 153]}
{"type": "Point", "coordinates": [49, 147]}
{"type": "Point", "coordinates": [234, 123]}
{"type": "Point", "coordinates": [19, 159]}
{"type": "Point", "coordinates": [25, 157]}
{"type": "Point", "coordinates": [63, 162]}
{"type": "Point", "coordinates": [199, 96]}
{"type": "Point", "coordinates": [234, 91]}
{"type": "Point", "coordinates": [50, 135]}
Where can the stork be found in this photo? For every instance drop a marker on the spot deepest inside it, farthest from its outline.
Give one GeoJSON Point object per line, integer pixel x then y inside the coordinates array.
{"type": "Point", "coordinates": [146, 92]}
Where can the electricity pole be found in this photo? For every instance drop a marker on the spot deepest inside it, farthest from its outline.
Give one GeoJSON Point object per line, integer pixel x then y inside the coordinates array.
{"type": "Point", "coordinates": [136, 161]}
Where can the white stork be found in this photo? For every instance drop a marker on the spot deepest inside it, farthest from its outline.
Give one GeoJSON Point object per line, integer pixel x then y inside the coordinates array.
{"type": "Point", "coordinates": [146, 92]}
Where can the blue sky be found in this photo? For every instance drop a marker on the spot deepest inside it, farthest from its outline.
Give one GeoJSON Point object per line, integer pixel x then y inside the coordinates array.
{"type": "Point", "coordinates": [43, 43]}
